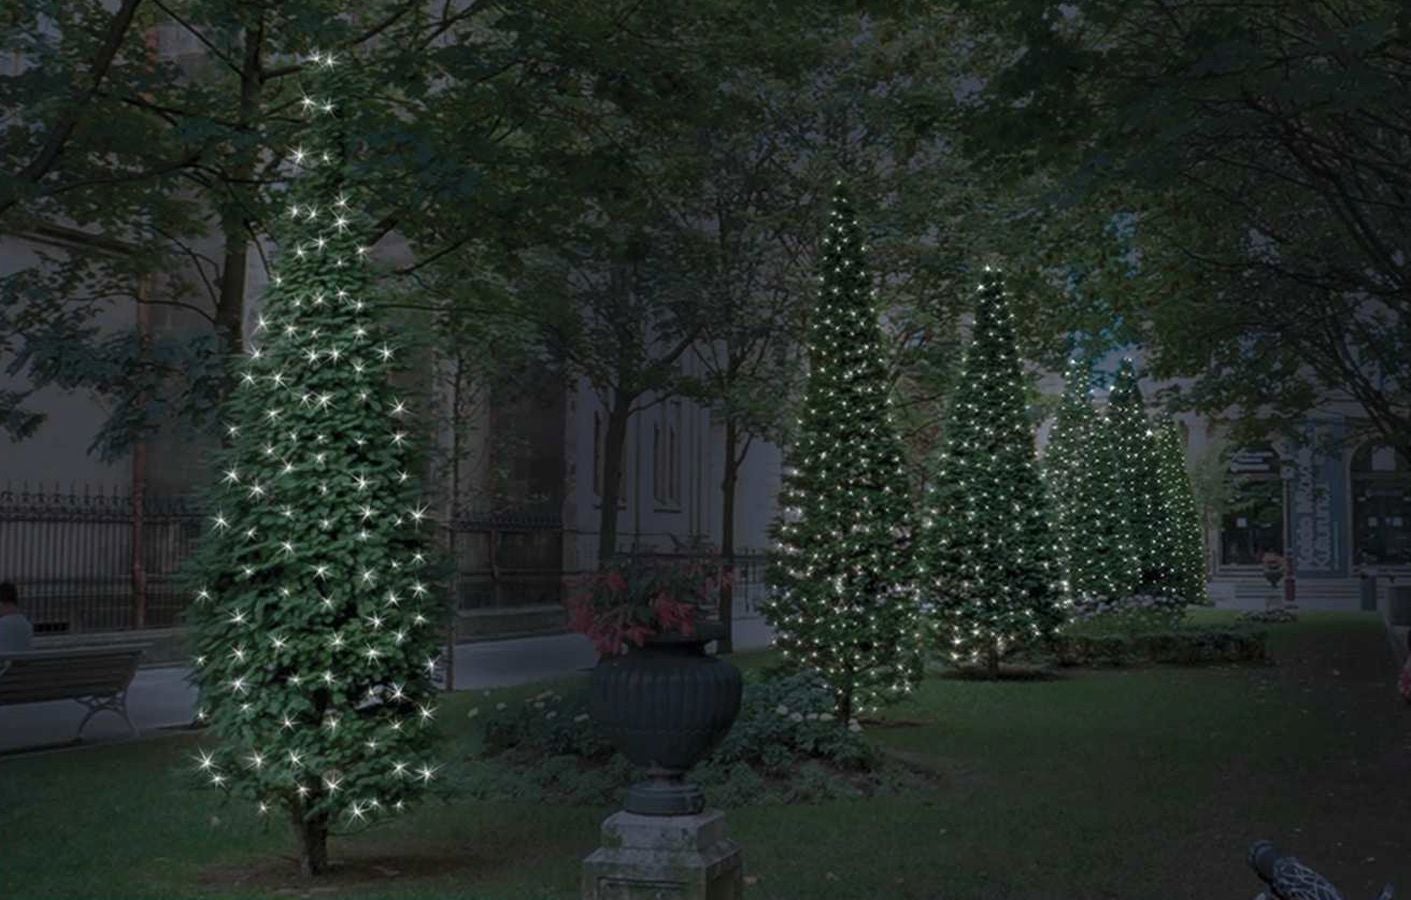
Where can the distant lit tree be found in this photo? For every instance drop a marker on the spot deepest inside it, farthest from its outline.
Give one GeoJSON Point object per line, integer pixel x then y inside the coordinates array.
{"type": "Point", "coordinates": [990, 564]}
{"type": "Point", "coordinates": [1081, 470]}
{"type": "Point", "coordinates": [845, 602]}
{"type": "Point", "coordinates": [1182, 534]}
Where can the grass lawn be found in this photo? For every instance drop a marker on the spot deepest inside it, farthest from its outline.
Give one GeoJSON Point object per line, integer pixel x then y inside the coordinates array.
{"type": "Point", "coordinates": [1097, 784]}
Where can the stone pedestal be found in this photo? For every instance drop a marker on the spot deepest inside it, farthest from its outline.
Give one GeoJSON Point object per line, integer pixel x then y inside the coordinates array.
{"type": "Point", "coordinates": [664, 858]}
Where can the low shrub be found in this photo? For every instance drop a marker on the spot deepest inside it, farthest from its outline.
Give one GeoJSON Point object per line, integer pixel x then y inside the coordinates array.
{"type": "Point", "coordinates": [787, 718]}
{"type": "Point", "coordinates": [549, 724]}
{"type": "Point", "coordinates": [1182, 645]}
{"type": "Point", "coordinates": [786, 747]}
{"type": "Point", "coordinates": [1140, 610]}
{"type": "Point", "coordinates": [1092, 650]}
{"type": "Point", "coordinates": [1280, 616]}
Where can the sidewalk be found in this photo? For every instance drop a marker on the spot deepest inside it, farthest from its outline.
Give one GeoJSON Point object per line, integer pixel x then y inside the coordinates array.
{"type": "Point", "coordinates": [162, 698]}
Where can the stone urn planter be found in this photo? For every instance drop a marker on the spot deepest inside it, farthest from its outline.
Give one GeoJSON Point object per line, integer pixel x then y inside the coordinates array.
{"type": "Point", "coordinates": [665, 705]}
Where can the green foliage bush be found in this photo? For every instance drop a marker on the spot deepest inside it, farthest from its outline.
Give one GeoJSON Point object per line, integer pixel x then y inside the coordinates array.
{"type": "Point", "coordinates": [787, 718]}
{"type": "Point", "coordinates": [1281, 616]}
{"type": "Point", "coordinates": [785, 747]}
{"type": "Point", "coordinates": [548, 724]}
{"type": "Point", "coordinates": [1090, 650]}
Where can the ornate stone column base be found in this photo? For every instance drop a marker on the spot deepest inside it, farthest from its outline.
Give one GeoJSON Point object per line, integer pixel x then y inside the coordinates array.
{"type": "Point", "coordinates": [664, 858]}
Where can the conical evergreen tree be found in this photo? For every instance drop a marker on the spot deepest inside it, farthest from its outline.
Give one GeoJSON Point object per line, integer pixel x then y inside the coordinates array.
{"type": "Point", "coordinates": [315, 630]}
{"type": "Point", "coordinates": [1105, 473]}
{"type": "Point", "coordinates": [1079, 469]}
{"type": "Point", "coordinates": [844, 603]}
{"type": "Point", "coordinates": [1140, 491]}
{"type": "Point", "coordinates": [987, 549]}
{"type": "Point", "coordinates": [1182, 538]}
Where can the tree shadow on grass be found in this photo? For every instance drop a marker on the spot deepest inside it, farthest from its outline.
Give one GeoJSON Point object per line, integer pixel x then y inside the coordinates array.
{"type": "Point", "coordinates": [278, 876]}
{"type": "Point", "coordinates": [1006, 673]}
{"type": "Point", "coordinates": [355, 868]}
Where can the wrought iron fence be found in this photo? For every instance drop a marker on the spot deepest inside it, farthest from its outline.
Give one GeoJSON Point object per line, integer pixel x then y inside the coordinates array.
{"type": "Point", "coordinates": [748, 566]}
{"type": "Point", "coordinates": [95, 561]}
{"type": "Point", "coordinates": [507, 558]}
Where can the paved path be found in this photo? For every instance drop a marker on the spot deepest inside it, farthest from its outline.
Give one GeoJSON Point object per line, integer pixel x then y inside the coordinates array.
{"type": "Point", "coordinates": [162, 698]}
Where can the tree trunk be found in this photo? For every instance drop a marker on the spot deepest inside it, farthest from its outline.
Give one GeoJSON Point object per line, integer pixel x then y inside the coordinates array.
{"type": "Point", "coordinates": [843, 703]}
{"type": "Point", "coordinates": [992, 661]}
{"type": "Point", "coordinates": [139, 462]}
{"type": "Point", "coordinates": [450, 501]}
{"type": "Point", "coordinates": [613, 444]}
{"type": "Point", "coordinates": [235, 234]}
{"type": "Point", "coordinates": [727, 537]}
{"type": "Point", "coordinates": [312, 833]}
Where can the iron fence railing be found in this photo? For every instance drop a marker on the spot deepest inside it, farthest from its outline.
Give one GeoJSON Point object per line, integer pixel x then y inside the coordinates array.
{"type": "Point", "coordinates": [748, 567]}
{"type": "Point", "coordinates": [87, 561]}
{"type": "Point", "coordinates": [95, 561]}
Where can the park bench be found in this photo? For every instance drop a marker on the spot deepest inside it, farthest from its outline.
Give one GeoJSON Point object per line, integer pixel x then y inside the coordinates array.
{"type": "Point", "coordinates": [96, 677]}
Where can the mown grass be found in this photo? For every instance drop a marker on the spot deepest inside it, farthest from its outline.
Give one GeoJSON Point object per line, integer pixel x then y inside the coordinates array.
{"type": "Point", "coordinates": [1095, 784]}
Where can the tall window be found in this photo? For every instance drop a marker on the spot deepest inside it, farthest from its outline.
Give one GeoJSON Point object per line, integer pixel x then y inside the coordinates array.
{"type": "Point", "coordinates": [1381, 506]}
{"type": "Point", "coordinates": [1253, 523]}
{"type": "Point", "coordinates": [666, 455]}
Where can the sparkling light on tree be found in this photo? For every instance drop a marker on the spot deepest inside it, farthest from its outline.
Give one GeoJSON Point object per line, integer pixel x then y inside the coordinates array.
{"type": "Point", "coordinates": [1081, 471]}
{"type": "Point", "coordinates": [844, 602]}
{"type": "Point", "coordinates": [316, 630]}
{"type": "Point", "coordinates": [1139, 489]}
{"type": "Point", "coordinates": [1182, 532]}
{"type": "Point", "coordinates": [988, 552]}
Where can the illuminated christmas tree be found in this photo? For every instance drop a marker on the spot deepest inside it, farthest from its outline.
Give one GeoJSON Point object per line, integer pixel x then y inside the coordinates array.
{"type": "Point", "coordinates": [988, 552]}
{"type": "Point", "coordinates": [1081, 471]}
{"type": "Point", "coordinates": [1139, 488]}
{"type": "Point", "coordinates": [315, 629]}
{"type": "Point", "coordinates": [844, 602]}
{"type": "Point", "coordinates": [1183, 534]}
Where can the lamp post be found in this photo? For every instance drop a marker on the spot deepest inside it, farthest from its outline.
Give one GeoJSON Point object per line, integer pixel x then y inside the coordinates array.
{"type": "Point", "coordinates": [1288, 471]}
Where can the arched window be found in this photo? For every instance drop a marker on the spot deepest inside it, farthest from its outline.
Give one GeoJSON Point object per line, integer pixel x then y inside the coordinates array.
{"type": "Point", "coordinates": [1381, 506]}
{"type": "Point", "coordinates": [1253, 522]}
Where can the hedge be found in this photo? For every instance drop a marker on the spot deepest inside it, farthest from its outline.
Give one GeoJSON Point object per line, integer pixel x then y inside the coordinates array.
{"type": "Point", "coordinates": [1185, 645]}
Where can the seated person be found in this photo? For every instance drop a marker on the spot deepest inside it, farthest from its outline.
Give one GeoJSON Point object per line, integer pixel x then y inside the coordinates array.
{"type": "Point", "coordinates": [16, 632]}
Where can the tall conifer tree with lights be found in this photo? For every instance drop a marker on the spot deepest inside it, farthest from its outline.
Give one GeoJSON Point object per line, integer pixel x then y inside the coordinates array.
{"type": "Point", "coordinates": [1140, 490]}
{"type": "Point", "coordinates": [987, 548]}
{"type": "Point", "coordinates": [1106, 461]}
{"type": "Point", "coordinates": [844, 601]}
{"type": "Point", "coordinates": [1182, 536]}
{"type": "Point", "coordinates": [1081, 471]}
{"type": "Point", "coordinates": [315, 628]}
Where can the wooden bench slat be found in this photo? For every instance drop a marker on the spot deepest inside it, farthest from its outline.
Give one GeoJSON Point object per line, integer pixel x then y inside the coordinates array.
{"type": "Point", "coordinates": [77, 652]}
{"type": "Point", "coordinates": [98, 676]}
{"type": "Point", "coordinates": [74, 681]}
{"type": "Point", "coordinates": [18, 667]}
{"type": "Point", "coordinates": [38, 675]}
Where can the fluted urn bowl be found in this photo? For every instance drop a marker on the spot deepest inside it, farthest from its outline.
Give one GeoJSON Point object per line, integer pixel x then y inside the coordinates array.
{"type": "Point", "coordinates": [665, 705]}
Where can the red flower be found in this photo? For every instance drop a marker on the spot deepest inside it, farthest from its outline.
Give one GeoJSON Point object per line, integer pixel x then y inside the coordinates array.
{"type": "Point", "coordinates": [631, 602]}
{"type": "Point", "coordinates": [674, 616]}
